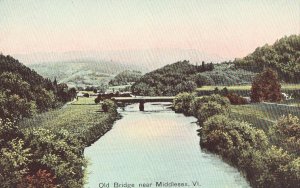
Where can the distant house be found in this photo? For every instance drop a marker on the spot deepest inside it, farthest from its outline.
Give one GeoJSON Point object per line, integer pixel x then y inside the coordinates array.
{"type": "Point", "coordinates": [247, 99]}
{"type": "Point", "coordinates": [285, 96]}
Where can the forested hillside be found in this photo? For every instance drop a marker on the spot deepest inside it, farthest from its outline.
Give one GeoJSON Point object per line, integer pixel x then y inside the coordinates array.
{"type": "Point", "coordinates": [226, 74]}
{"type": "Point", "coordinates": [185, 77]}
{"type": "Point", "coordinates": [126, 77]}
{"type": "Point", "coordinates": [23, 92]}
{"type": "Point", "coordinates": [283, 56]}
{"type": "Point", "coordinates": [170, 79]}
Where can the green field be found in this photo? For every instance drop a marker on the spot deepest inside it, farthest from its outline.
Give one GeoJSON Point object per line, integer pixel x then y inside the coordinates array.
{"type": "Point", "coordinates": [247, 87]}
{"type": "Point", "coordinates": [244, 90]}
{"type": "Point", "coordinates": [83, 119]}
{"type": "Point", "coordinates": [262, 115]}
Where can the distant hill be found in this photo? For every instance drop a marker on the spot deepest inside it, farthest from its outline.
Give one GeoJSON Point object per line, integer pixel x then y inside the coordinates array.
{"type": "Point", "coordinates": [183, 76]}
{"type": "Point", "coordinates": [143, 59]}
{"type": "Point", "coordinates": [283, 56]}
{"type": "Point", "coordinates": [170, 79]}
{"type": "Point", "coordinates": [81, 73]}
{"type": "Point", "coordinates": [126, 77]}
{"type": "Point", "coordinates": [227, 74]}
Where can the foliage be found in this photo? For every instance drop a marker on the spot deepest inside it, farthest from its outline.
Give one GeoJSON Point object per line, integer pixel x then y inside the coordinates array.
{"type": "Point", "coordinates": [170, 79]}
{"type": "Point", "coordinates": [286, 133]}
{"type": "Point", "coordinates": [109, 106]}
{"type": "Point", "coordinates": [42, 179]}
{"type": "Point", "coordinates": [14, 155]}
{"type": "Point", "coordinates": [229, 138]}
{"type": "Point", "coordinates": [14, 162]}
{"type": "Point", "coordinates": [226, 74]}
{"type": "Point", "coordinates": [59, 153]}
{"type": "Point", "coordinates": [23, 92]}
{"type": "Point", "coordinates": [283, 56]}
{"type": "Point", "coordinates": [200, 107]}
{"type": "Point", "coordinates": [202, 80]}
{"type": "Point", "coordinates": [82, 119]}
{"type": "Point", "coordinates": [266, 87]}
{"type": "Point", "coordinates": [243, 145]}
{"type": "Point", "coordinates": [236, 99]}
{"type": "Point", "coordinates": [125, 77]}
{"type": "Point", "coordinates": [183, 103]}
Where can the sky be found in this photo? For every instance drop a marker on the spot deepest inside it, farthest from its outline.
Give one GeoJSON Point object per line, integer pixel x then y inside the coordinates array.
{"type": "Point", "coordinates": [222, 28]}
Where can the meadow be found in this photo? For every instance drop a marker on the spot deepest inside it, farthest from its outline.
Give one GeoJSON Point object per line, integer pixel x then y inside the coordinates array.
{"type": "Point", "coordinates": [83, 118]}
{"type": "Point", "coordinates": [262, 115]}
{"type": "Point", "coordinates": [244, 90]}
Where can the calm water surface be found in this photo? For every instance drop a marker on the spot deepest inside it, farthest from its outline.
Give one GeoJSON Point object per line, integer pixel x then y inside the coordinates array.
{"type": "Point", "coordinates": [157, 145]}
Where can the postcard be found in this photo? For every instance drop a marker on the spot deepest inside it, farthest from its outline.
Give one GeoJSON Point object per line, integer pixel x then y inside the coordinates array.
{"type": "Point", "coordinates": [149, 94]}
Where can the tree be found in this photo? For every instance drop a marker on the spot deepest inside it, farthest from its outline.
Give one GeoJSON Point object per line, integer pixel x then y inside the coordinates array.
{"type": "Point", "coordinates": [202, 80]}
{"type": "Point", "coordinates": [183, 103]}
{"type": "Point", "coordinates": [286, 133]}
{"type": "Point", "coordinates": [266, 87]}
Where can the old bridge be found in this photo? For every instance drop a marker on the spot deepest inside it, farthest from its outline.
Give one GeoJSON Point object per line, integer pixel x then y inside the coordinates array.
{"type": "Point", "coordinates": [142, 100]}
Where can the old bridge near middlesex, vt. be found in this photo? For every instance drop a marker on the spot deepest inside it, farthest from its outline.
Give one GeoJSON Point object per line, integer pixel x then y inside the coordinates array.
{"type": "Point", "coordinates": [142, 100]}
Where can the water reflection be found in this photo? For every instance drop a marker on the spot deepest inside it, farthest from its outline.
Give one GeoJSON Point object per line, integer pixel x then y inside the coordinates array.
{"type": "Point", "coordinates": [156, 145]}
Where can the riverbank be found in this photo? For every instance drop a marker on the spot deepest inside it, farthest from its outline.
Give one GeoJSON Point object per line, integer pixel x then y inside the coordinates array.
{"type": "Point", "coordinates": [83, 119]}
{"type": "Point", "coordinates": [58, 139]}
{"type": "Point", "coordinates": [268, 159]}
{"type": "Point", "coordinates": [155, 146]}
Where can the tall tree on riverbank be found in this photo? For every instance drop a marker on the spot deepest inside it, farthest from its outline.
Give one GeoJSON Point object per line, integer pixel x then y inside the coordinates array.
{"type": "Point", "coordinates": [266, 87]}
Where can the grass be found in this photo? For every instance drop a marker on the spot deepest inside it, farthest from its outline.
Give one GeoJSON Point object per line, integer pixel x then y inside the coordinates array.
{"type": "Point", "coordinates": [82, 118]}
{"type": "Point", "coordinates": [263, 115]}
{"type": "Point", "coordinates": [210, 88]}
{"type": "Point", "coordinates": [247, 87]}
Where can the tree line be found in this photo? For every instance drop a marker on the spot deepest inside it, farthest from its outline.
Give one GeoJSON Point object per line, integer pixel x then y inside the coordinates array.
{"type": "Point", "coordinates": [38, 157]}
{"type": "Point", "coordinates": [283, 56]}
{"type": "Point", "coordinates": [23, 92]}
{"type": "Point", "coordinates": [267, 159]}
{"type": "Point", "coordinates": [171, 79]}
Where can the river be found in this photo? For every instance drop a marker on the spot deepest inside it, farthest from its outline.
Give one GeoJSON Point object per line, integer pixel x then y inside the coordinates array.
{"type": "Point", "coordinates": [157, 145]}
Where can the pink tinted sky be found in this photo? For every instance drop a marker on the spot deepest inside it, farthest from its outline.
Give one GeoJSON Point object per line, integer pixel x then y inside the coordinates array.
{"type": "Point", "coordinates": [226, 28]}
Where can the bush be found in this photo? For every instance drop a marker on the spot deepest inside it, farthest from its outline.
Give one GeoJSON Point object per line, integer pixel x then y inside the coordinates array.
{"type": "Point", "coordinates": [109, 106]}
{"type": "Point", "coordinates": [60, 154]}
{"type": "Point", "coordinates": [266, 87]}
{"type": "Point", "coordinates": [236, 99]}
{"type": "Point", "coordinates": [229, 138]}
{"type": "Point", "coordinates": [208, 110]}
{"type": "Point", "coordinates": [14, 155]}
{"type": "Point", "coordinates": [223, 101]}
{"type": "Point", "coordinates": [183, 103]}
{"type": "Point", "coordinates": [286, 133]}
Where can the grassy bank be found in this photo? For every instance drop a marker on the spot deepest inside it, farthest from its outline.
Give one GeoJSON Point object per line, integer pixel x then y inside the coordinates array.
{"type": "Point", "coordinates": [244, 90]}
{"type": "Point", "coordinates": [266, 158]}
{"type": "Point", "coordinates": [262, 115]}
{"type": "Point", "coordinates": [83, 119]}
{"type": "Point", "coordinates": [57, 140]}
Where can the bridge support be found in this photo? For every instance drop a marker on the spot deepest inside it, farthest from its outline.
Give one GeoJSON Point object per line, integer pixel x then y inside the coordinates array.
{"type": "Point", "coordinates": [141, 107]}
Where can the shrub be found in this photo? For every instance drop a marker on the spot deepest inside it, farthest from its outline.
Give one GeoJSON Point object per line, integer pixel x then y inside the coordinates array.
{"type": "Point", "coordinates": [223, 101]}
{"type": "Point", "coordinates": [228, 138]}
{"type": "Point", "coordinates": [97, 100]}
{"type": "Point", "coordinates": [236, 99]}
{"type": "Point", "coordinates": [109, 106]}
{"type": "Point", "coordinates": [60, 154]}
{"type": "Point", "coordinates": [266, 87]}
{"type": "Point", "coordinates": [208, 110]}
{"type": "Point", "coordinates": [42, 179]}
{"type": "Point", "coordinates": [183, 103]}
{"type": "Point", "coordinates": [14, 154]}
{"type": "Point", "coordinates": [286, 133]}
